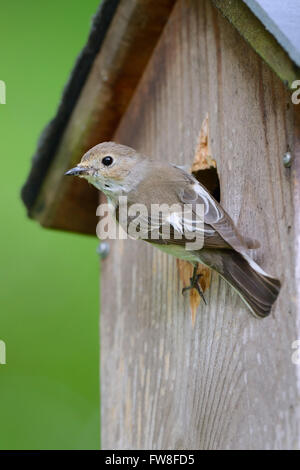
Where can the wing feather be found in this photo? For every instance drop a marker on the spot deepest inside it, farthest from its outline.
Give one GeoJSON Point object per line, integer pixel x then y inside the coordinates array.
{"type": "Point", "coordinates": [178, 188]}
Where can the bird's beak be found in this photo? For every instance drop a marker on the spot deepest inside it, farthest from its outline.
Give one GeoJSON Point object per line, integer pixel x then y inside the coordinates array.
{"type": "Point", "coordinates": [77, 171]}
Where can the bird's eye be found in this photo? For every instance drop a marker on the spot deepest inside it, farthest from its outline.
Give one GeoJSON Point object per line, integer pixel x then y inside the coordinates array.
{"type": "Point", "coordinates": [107, 160]}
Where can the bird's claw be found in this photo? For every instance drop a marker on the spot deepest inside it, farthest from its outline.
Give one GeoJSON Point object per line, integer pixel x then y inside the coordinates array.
{"type": "Point", "coordinates": [194, 284]}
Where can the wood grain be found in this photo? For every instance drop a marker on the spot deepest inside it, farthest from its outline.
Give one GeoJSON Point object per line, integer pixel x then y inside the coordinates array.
{"type": "Point", "coordinates": [263, 39]}
{"type": "Point", "coordinates": [229, 382]}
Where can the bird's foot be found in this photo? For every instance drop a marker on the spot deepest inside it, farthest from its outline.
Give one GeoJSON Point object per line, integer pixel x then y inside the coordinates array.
{"type": "Point", "coordinates": [195, 284]}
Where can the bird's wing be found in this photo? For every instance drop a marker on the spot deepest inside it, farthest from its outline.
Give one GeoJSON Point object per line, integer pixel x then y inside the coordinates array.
{"type": "Point", "coordinates": [175, 188]}
{"type": "Point", "coordinates": [221, 231]}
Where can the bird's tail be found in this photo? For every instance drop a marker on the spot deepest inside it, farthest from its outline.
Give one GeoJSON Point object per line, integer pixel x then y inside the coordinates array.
{"type": "Point", "coordinates": [257, 289]}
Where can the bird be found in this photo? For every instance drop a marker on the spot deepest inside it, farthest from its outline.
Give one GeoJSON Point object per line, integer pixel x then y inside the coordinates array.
{"type": "Point", "coordinates": [120, 171]}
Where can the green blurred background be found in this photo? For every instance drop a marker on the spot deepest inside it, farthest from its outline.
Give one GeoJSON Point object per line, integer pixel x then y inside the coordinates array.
{"type": "Point", "coordinates": [49, 390]}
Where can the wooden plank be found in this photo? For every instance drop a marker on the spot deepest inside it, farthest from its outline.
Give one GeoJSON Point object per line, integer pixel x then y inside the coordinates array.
{"type": "Point", "coordinates": [282, 20]}
{"type": "Point", "coordinates": [229, 381]}
{"type": "Point", "coordinates": [263, 42]}
{"type": "Point", "coordinates": [62, 202]}
{"type": "Point", "coordinates": [295, 169]}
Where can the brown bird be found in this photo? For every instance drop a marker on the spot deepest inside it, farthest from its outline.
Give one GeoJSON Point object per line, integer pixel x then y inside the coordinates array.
{"type": "Point", "coordinates": [118, 170]}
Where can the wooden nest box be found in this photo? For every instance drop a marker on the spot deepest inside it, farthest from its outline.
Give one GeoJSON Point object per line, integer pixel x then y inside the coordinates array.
{"type": "Point", "coordinates": [149, 76]}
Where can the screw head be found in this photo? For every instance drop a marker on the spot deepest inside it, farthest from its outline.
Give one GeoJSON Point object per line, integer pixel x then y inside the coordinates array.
{"type": "Point", "coordinates": [103, 250]}
{"type": "Point", "coordinates": [287, 159]}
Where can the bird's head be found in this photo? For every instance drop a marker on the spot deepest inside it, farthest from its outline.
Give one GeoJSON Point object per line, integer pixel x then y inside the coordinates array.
{"type": "Point", "coordinates": [110, 167]}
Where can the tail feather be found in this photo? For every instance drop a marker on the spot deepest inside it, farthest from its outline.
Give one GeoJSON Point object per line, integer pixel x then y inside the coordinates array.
{"type": "Point", "coordinates": [258, 290]}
